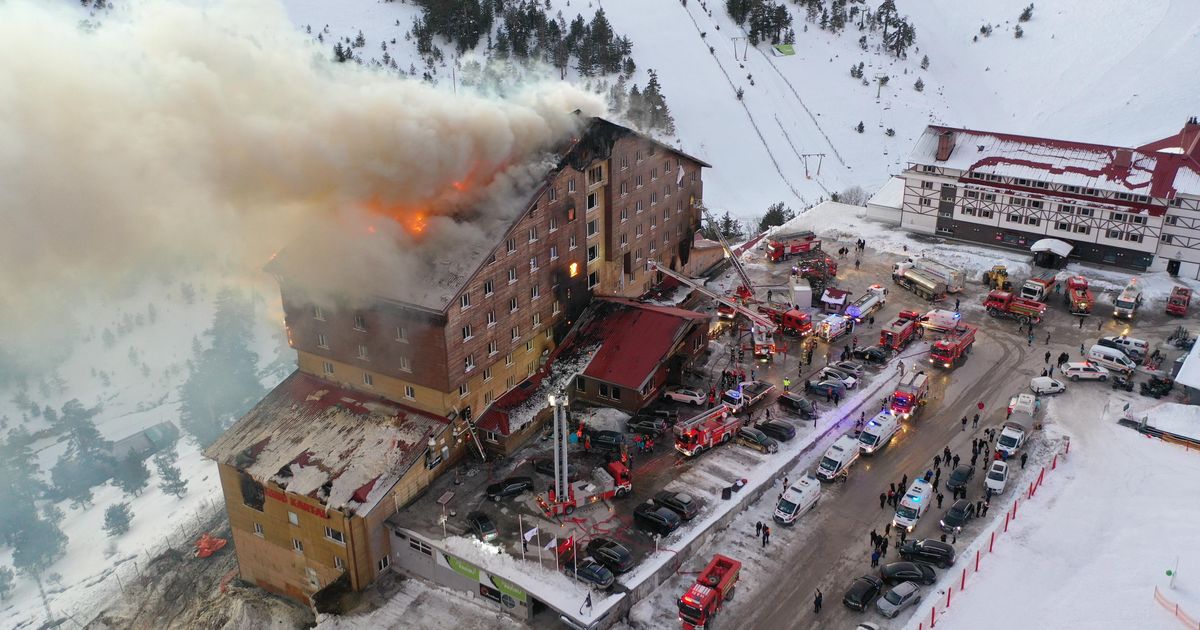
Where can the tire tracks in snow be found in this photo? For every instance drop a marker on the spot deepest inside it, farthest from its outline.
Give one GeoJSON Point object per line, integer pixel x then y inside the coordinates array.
{"type": "Point", "coordinates": [750, 116]}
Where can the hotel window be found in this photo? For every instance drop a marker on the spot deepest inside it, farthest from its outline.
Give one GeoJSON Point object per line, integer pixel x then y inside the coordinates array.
{"type": "Point", "coordinates": [1014, 218]}
{"type": "Point", "coordinates": [653, 222]}
{"type": "Point", "coordinates": [533, 234]}
{"type": "Point", "coordinates": [321, 341]}
{"type": "Point", "coordinates": [1170, 220]}
{"type": "Point", "coordinates": [1033, 221]}
{"type": "Point", "coordinates": [553, 195]}
{"type": "Point", "coordinates": [529, 346]}
{"type": "Point", "coordinates": [537, 319]}
{"type": "Point", "coordinates": [488, 397]}
{"type": "Point", "coordinates": [971, 194]}
{"type": "Point", "coordinates": [593, 228]}
{"type": "Point", "coordinates": [487, 374]}
{"type": "Point", "coordinates": [1063, 225]}
{"type": "Point", "coordinates": [463, 390]}
{"type": "Point", "coordinates": [258, 530]}
{"type": "Point", "coordinates": [1085, 212]}
{"type": "Point", "coordinates": [293, 518]}
{"type": "Point", "coordinates": [360, 322]}
{"type": "Point", "coordinates": [488, 288]}
{"type": "Point", "coordinates": [533, 209]}
{"type": "Point", "coordinates": [572, 244]}
{"type": "Point", "coordinates": [1016, 201]}
{"type": "Point", "coordinates": [553, 224]}
{"type": "Point", "coordinates": [535, 292]}
{"type": "Point", "coordinates": [510, 245]}
{"type": "Point", "coordinates": [637, 181]}
{"type": "Point", "coordinates": [1068, 209]}
{"type": "Point", "coordinates": [929, 169]}
{"type": "Point", "coordinates": [926, 202]}
{"type": "Point", "coordinates": [927, 185]}
{"type": "Point", "coordinates": [593, 253]}
{"type": "Point", "coordinates": [318, 313]}
{"type": "Point", "coordinates": [1036, 205]}
{"type": "Point", "coordinates": [624, 188]}
{"type": "Point", "coordinates": [362, 353]}
{"type": "Point", "coordinates": [1113, 234]}
{"type": "Point", "coordinates": [334, 535]}
{"type": "Point", "coordinates": [571, 185]}
{"type": "Point", "coordinates": [384, 562]}
{"type": "Point", "coordinates": [508, 361]}
{"type": "Point", "coordinates": [985, 214]}
{"type": "Point", "coordinates": [405, 364]}
{"type": "Point", "coordinates": [557, 308]}
{"type": "Point", "coordinates": [989, 197]}
{"type": "Point", "coordinates": [653, 245]}
{"type": "Point", "coordinates": [297, 546]}
{"type": "Point", "coordinates": [467, 333]}
{"type": "Point", "coordinates": [491, 318]}
{"type": "Point", "coordinates": [493, 348]}
{"type": "Point", "coordinates": [637, 232]}
{"type": "Point", "coordinates": [1070, 189]}
{"type": "Point", "coordinates": [368, 380]}
{"type": "Point", "coordinates": [512, 275]}
{"type": "Point", "coordinates": [624, 214]}
{"type": "Point", "coordinates": [533, 263]}
{"type": "Point", "coordinates": [464, 301]}
{"type": "Point", "coordinates": [1136, 238]}
{"type": "Point", "coordinates": [667, 190]}
{"type": "Point", "coordinates": [421, 546]}
{"type": "Point", "coordinates": [1166, 239]}
{"type": "Point", "coordinates": [595, 175]}
{"type": "Point", "coordinates": [469, 363]}
{"type": "Point", "coordinates": [968, 211]}
{"type": "Point", "coordinates": [653, 174]}
{"type": "Point", "coordinates": [339, 563]}
{"type": "Point", "coordinates": [624, 162]}
{"type": "Point", "coordinates": [666, 166]}
{"type": "Point", "coordinates": [515, 333]}
{"type": "Point", "coordinates": [653, 199]}
{"type": "Point", "coordinates": [624, 239]}
{"type": "Point", "coordinates": [637, 254]}
{"type": "Point", "coordinates": [512, 305]}
{"type": "Point", "coordinates": [327, 367]}
{"type": "Point", "coordinates": [554, 252]}
{"type": "Point", "coordinates": [593, 280]}
{"type": "Point", "coordinates": [1138, 219]}
{"type": "Point", "coordinates": [410, 392]}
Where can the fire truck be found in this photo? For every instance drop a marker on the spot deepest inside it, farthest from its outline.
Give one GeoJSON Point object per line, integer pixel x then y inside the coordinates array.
{"type": "Point", "coordinates": [953, 347]}
{"type": "Point", "coordinates": [713, 587]}
{"type": "Point", "coordinates": [790, 321]}
{"type": "Point", "coordinates": [919, 282]}
{"type": "Point", "coordinates": [706, 429]}
{"type": "Point", "coordinates": [1005, 304]}
{"type": "Point", "coordinates": [1078, 298]}
{"type": "Point", "coordinates": [954, 279]}
{"type": "Point", "coordinates": [1039, 288]}
{"type": "Point", "coordinates": [902, 331]}
{"type": "Point", "coordinates": [910, 395]}
{"type": "Point", "coordinates": [1177, 304]}
{"type": "Point", "coordinates": [615, 480]}
{"type": "Point", "coordinates": [870, 302]}
{"type": "Point", "coordinates": [784, 246]}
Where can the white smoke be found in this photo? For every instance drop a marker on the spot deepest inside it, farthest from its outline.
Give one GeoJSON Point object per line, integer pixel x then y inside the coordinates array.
{"type": "Point", "coordinates": [211, 132]}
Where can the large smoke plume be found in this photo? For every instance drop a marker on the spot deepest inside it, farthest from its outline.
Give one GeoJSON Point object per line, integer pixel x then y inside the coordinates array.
{"type": "Point", "coordinates": [220, 132]}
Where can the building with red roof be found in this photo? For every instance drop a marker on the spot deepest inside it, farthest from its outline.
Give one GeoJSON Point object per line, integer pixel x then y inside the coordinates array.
{"type": "Point", "coordinates": [1112, 205]}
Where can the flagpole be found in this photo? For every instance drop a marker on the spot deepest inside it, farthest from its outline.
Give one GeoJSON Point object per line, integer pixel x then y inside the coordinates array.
{"type": "Point", "coordinates": [539, 538]}
{"type": "Point", "coordinates": [521, 529]}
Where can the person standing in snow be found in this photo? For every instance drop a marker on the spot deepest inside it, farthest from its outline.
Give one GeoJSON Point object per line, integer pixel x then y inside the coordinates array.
{"type": "Point", "coordinates": [874, 558]}
{"type": "Point", "coordinates": [975, 422]}
{"type": "Point", "coordinates": [940, 496]}
{"type": "Point", "coordinates": [817, 602]}
{"type": "Point", "coordinates": [882, 500]}
{"type": "Point", "coordinates": [1024, 457]}
{"type": "Point", "coordinates": [964, 423]}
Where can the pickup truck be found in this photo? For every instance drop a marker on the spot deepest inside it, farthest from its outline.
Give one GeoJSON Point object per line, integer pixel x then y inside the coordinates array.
{"type": "Point", "coordinates": [747, 394]}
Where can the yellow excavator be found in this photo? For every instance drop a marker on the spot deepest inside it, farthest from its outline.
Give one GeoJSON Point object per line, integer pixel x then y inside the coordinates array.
{"type": "Point", "coordinates": [997, 278]}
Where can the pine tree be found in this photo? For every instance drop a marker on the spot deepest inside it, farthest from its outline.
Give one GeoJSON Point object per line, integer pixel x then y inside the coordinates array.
{"type": "Point", "coordinates": [132, 474]}
{"type": "Point", "coordinates": [731, 228]}
{"type": "Point", "coordinates": [87, 461]}
{"type": "Point", "coordinates": [116, 519]}
{"type": "Point", "coordinates": [171, 479]}
{"type": "Point", "coordinates": [1026, 13]}
{"type": "Point", "coordinates": [925, 62]}
{"type": "Point", "coordinates": [658, 115]}
{"type": "Point", "coordinates": [860, 127]}
{"type": "Point", "coordinates": [777, 214]}
{"type": "Point", "coordinates": [919, 85]}
{"type": "Point", "coordinates": [37, 541]}
{"type": "Point", "coordinates": [1018, 32]}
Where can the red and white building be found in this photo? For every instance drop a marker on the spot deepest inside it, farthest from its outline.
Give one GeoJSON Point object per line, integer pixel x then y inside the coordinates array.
{"type": "Point", "coordinates": [1115, 205]}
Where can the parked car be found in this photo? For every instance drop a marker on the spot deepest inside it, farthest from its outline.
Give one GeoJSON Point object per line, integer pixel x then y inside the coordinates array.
{"type": "Point", "coordinates": [1084, 370]}
{"type": "Point", "coordinates": [997, 477]}
{"type": "Point", "coordinates": [850, 367]}
{"type": "Point", "coordinates": [611, 554]}
{"type": "Point", "coordinates": [898, 598]}
{"type": "Point", "coordinates": [928, 550]}
{"type": "Point", "coordinates": [647, 425]}
{"type": "Point", "coordinates": [863, 590]}
{"type": "Point", "coordinates": [777, 430]}
{"type": "Point", "coordinates": [591, 572]}
{"type": "Point", "coordinates": [655, 518]}
{"type": "Point", "coordinates": [827, 388]}
{"type": "Point", "coordinates": [510, 487]}
{"type": "Point", "coordinates": [482, 526]}
{"type": "Point", "coordinates": [953, 520]}
{"type": "Point", "coordinates": [872, 355]}
{"type": "Point", "coordinates": [545, 466]}
{"type": "Point", "coordinates": [801, 405]}
{"type": "Point", "coordinates": [903, 571]}
{"type": "Point", "coordinates": [607, 440]}
{"type": "Point", "coordinates": [681, 503]}
{"type": "Point", "coordinates": [1046, 385]}
{"type": "Point", "coordinates": [685, 395]}
{"type": "Point", "coordinates": [757, 440]}
{"type": "Point", "coordinates": [833, 374]}
{"type": "Point", "coordinates": [960, 477]}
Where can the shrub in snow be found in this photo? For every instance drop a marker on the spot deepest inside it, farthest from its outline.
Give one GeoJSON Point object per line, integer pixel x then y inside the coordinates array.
{"type": "Point", "coordinates": [860, 128]}
{"type": "Point", "coordinates": [890, 132]}
{"type": "Point", "coordinates": [1026, 13]}
{"type": "Point", "coordinates": [1018, 32]}
{"type": "Point", "coordinates": [116, 519]}
{"type": "Point", "coordinates": [925, 62]}
{"type": "Point", "coordinates": [919, 85]}
{"type": "Point", "coordinates": [854, 195]}
{"type": "Point", "coordinates": [171, 480]}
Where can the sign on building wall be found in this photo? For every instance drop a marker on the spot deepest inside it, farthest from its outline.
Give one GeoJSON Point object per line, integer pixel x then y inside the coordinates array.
{"type": "Point", "coordinates": [492, 587]}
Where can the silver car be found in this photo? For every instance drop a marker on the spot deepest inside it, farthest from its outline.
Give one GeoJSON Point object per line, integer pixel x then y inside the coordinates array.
{"type": "Point", "coordinates": [854, 369]}
{"type": "Point", "coordinates": [834, 374]}
{"type": "Point", "coordinates": [900, 596]}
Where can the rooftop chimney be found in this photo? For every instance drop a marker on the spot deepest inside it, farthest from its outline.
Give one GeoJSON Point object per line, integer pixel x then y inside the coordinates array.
{"type": "Point", "coordinates": [1189, 138]}
{"type": "Point", "coordinates": [945, 145]}
{"type": "Point", "coordinates": [1124, 158]}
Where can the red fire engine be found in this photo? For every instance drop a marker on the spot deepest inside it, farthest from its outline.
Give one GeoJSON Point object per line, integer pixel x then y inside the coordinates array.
{"type": "Point", "coordinates": [714, 586]}
{"type": "Point", "coordinates": [1177, 304]}
{"type": "Point", "coordinates": [1079, 299]}
{"type": "Point", "coordinates": [614, 480]}
{"type": "Point", "coordinates": [784, 246]}
{"type": "Point", "coordinates": [706, 429]}
{"type": "Point", "coordinates": [902, 331]}
{"type": "Point", "coordinates": [910, 394]}
{"type": "Point", "coordinates": [953, 347]}
{"type": "Point", "coordinates": [1005, 304]}
{"type": "Point", "coordinates": [790, 321]}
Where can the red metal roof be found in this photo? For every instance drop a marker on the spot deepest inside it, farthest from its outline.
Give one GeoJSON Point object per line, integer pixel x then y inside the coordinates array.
{"type": "Point", "coordinates": [635, 339]}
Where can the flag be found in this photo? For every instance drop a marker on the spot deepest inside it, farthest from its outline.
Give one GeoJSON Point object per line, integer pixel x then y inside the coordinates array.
{"type": "Point", "coordinates": [551, 544]}
{"type": "Point", "coordinates": [530, 534]}
{"type": "Point", "coordinates": [587, 603]}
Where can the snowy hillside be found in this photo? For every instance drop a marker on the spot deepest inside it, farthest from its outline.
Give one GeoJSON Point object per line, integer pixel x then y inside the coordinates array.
{"type": "Point", "coordinates": [1102, 71]}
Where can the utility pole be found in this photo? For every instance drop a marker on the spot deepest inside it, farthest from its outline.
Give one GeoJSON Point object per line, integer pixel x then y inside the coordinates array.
{"type": "Point", "coordinates": [820, 157]}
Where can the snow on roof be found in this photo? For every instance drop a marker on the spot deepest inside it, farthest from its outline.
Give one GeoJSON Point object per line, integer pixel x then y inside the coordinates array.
{"type": "Point", "coordinates": [1175, 418]}
{"type": "Point", "coordinates": [834, 296]}
{"type": "Point", "coordinates": [1053, 245]}
{"type": "Point", "coordinates": [891, 195]}
{"type": "Point", "coordinates": [1189, 372]}
{"type": "Point", "coordinates": [635, 338]}
{"type": "Point", "coordinates": [1103, 167]}
{"type": "Point", "coordinates": [342, 448]}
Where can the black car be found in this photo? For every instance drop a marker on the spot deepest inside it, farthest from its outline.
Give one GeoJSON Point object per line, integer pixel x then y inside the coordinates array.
{"type": "Point", "coordinates": [928, 550]}
{"type": "Point", "coordinates": [958, 515]}
{"type": "Point", "coordinates": [647, 425]}
{"type": "Point", "coordinates": [801, 405]}
{"type": "Point", "coordinates": [960, 477]}
{"type": "Point", "coordinates": [611, 554]}
{"type": "Point", "coordinates": [656, 519]}
{"type": "Point", "coordinates": [607, 440]}
{"type": "Point", "coordinates": [482, 526]}
{"type": "Point", "coordinates": [874, 355]}
{"type": "Point", "coordinates": [683, 504]}
{"type": "Point", "coordinates": [781, 431]}
{"type": "Point", "coordinates": [510, 487]}
{"type": "Point", "coordinates": [545, 466]}
{"type": "Point", "coordinates": [862, 592]}
{"type": "Point", "coordinates": [591, 572]}
{"type": "Point", "coordinates": [897, 572]}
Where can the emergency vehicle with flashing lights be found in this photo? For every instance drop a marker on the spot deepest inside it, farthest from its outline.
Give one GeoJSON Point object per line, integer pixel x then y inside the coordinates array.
{"type": "Point", "coordinates": [712, 589]}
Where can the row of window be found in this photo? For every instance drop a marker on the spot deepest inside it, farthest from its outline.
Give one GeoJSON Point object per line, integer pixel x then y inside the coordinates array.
{"type": "Point", "coordinates": [1075, 190]}
{"type": "Point", "coordinates": [469, 363]}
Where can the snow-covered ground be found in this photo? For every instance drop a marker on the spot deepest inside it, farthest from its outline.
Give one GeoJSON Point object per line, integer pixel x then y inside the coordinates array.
{"type": "Point", "coordinates": [1088, 550]}
{"type": "Point", "coordinates": [132, 402]}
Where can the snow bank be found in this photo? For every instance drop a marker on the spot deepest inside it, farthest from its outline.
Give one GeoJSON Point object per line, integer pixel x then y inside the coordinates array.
{"type": "Point", "coordinates": [1175, 418]}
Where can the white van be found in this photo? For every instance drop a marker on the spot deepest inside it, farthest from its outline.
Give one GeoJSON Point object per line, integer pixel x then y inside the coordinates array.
{"type": "Point", "coordinates": [878, 432]}
{"type": "Point", "coordinates": [1023, 403]}
{"type": "Point", "coordinates": [838, 458]}
{"type": "Point", "coordinates": [1126, 304]}
{"type": "Point", "coordinates": [797, 499]}
{"type": "Point", "coordinates": [1135, 349]}
{"type": "Point", "coordinates": [1112, 359]}
{"type": "Point", "coordinates": [915, 502]}
{"type": "Point", "coordinates": [941, 319]}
